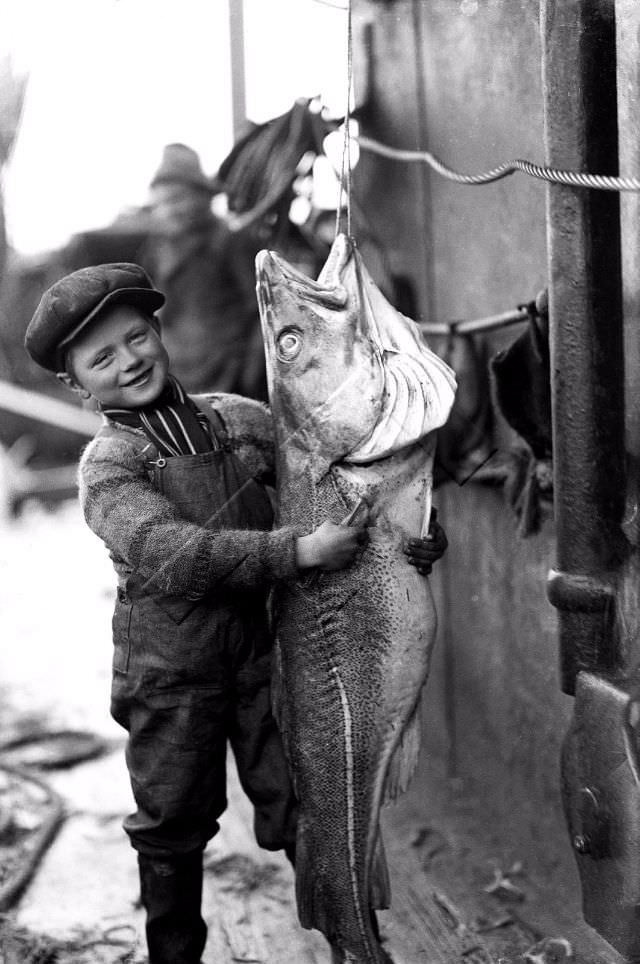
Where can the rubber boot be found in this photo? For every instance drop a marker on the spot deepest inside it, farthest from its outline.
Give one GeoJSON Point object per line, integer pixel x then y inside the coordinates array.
{"type": "Point", "coordinates": [171, 894]}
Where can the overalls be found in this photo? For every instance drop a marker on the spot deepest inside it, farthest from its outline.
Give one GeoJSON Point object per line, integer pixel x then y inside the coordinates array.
{"type": "Point", "coordinates": [190, 674]}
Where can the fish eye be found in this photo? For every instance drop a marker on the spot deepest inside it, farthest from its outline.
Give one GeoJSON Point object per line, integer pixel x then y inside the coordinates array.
{"type": "Point", "coordinates": [288, 344]}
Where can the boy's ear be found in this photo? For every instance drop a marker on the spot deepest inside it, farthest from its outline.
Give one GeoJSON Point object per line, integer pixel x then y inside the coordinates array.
{"type": "Point", "coordinates": [72, 384]}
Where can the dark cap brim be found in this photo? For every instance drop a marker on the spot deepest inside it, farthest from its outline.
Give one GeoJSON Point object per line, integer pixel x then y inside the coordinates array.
{"type": "Point", "coordinates": [147, 299]}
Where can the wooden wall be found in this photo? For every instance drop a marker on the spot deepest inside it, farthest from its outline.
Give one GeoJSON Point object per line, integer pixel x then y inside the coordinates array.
{"type": "Point", "coordinates": [463, 79]}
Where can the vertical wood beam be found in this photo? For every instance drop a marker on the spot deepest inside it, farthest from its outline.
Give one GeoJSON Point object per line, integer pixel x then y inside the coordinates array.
{"type": "Point", "coordinates": [584, 266]}
{"type": "Point", "coordinates": [628, 63]}
{"type": "Point", "coordinates": [238, 75]}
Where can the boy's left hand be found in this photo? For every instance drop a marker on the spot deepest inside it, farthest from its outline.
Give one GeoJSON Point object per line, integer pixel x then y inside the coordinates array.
{"type": "Point", "coordinates": [422, 553]}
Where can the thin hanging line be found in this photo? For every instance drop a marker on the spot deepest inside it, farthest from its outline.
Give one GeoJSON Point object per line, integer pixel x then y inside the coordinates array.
{"type": "Point", "coordinates": [345, 165]}
{"type": "Point", "coordinates": [423, 214]}
{"type": "Point", "coordinates": [348, 113]}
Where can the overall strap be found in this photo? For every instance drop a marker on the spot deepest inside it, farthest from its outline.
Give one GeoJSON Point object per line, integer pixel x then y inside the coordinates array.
{"type": "Point", "coordinates": [217, 425]}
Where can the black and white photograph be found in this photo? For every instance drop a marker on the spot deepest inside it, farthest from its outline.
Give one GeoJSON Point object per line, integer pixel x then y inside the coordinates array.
{"type": "Point", "coordinates": [319, 482]}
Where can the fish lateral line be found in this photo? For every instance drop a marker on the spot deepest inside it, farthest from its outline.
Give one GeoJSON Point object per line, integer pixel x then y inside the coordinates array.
{"type": "Point", "coordinates": [350, 798]}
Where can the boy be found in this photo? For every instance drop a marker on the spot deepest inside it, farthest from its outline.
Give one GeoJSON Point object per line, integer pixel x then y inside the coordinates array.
{"type": "Point", "coordinates": [176, 488]}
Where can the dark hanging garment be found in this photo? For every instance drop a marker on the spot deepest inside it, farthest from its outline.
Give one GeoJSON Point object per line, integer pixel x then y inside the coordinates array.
{"type": "Point", "coordinates": [522, 393]}
{"type": "Point", "coordinates": [522, 386]}
{"type": "Point", "coordinates": [465, 442]}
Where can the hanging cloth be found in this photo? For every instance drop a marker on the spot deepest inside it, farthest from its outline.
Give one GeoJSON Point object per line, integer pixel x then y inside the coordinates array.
{"type": "Point", "coordinates": [174, 423]}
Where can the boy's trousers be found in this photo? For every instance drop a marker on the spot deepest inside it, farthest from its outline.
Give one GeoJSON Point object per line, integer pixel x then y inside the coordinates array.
{"type": "Point", "coordinates": [179, 732]}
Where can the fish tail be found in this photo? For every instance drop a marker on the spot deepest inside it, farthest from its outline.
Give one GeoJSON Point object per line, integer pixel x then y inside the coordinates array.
{"type": "Point", "coordinates": [317, 909]}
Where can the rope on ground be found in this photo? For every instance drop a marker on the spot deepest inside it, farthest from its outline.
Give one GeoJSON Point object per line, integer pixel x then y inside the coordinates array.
{"type": "Point", "coordinates": [11, 889]}
{"type": "Point", "coordinates": [30, 947]}
{"type": "Point", "coordinates": [51, 749]}
{"type": "Point", "coordinates": [601, 182]}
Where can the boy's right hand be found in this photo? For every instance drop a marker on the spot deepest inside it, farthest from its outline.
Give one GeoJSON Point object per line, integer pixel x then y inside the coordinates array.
{"type": "Point", "coordinates": [330, 546]}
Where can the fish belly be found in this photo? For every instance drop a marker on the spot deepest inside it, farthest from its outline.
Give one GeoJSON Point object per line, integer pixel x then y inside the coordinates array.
{"type": "Point", "coordinates": [353, 654]}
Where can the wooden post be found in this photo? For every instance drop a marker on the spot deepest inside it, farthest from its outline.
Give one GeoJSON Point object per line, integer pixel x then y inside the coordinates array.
{"type": "Point", "coordinates": [628, 62]}
{"type": "Point", "coordinates": [238, 80]}
{"type": "Point", "coordinates": [601, 801]}
{"type": "Point", "coordinates": [585, 310]}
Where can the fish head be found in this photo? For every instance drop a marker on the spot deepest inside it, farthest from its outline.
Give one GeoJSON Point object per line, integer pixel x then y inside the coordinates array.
{"type": "Point", "coordinates": [325, 373]}
{"type": "Point", "coordinates": [350, 377]}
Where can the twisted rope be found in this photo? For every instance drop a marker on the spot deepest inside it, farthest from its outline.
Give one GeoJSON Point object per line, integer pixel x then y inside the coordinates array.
{"type": "Point", "coordinates": [602, 182]}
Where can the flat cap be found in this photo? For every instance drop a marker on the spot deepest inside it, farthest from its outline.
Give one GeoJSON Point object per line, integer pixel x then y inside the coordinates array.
{"type": "Point", "coordinates": [74, 301]}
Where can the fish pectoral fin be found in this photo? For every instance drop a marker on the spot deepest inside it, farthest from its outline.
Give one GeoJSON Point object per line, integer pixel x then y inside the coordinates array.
{"type": "Point", "coordinates": [405, 758]}
{"type": "Point", "coordinates": [380, 888]}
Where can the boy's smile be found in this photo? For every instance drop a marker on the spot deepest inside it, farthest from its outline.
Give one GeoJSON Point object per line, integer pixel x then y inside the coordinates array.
{"type": "Point", "coordinates": [120, 359]}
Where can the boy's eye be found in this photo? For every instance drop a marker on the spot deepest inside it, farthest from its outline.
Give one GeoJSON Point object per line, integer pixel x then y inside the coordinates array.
{"type": "Point", "coordinates": [139, 335]}
{"type": "Point", "coordinates": [100, 359]}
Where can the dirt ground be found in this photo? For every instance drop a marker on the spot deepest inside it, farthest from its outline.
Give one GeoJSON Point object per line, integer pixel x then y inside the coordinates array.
{"type": "Point", "coordinates": [460, 896]}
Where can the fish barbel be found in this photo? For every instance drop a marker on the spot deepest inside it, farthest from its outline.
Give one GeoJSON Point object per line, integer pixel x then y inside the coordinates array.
{"type": "Point", "coordinates": [356, 397]}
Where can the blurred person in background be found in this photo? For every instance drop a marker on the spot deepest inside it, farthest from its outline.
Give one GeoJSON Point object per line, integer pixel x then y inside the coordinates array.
{"type": "Point", "coordinates": [210, 322]}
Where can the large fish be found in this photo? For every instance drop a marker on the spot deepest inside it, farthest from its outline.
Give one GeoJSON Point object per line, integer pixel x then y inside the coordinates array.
{"type": "Point", "coordinates": [356, 397]}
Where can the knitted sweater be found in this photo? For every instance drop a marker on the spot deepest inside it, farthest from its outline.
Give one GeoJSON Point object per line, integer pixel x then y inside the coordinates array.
{"type": "Point", "coordinates": [146, 536]}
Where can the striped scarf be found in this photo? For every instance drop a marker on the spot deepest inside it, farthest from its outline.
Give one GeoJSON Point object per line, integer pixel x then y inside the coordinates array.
{"type": "Point", "coordinates": [174, 424]}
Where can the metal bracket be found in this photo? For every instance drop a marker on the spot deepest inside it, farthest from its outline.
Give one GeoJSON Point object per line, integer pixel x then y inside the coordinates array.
{"type": "Point", "coordinates": [576, 593]}
{"type": "Point", "coordinates": [601, 795]}
{"type": "Point", "coordinates": [588, 637]}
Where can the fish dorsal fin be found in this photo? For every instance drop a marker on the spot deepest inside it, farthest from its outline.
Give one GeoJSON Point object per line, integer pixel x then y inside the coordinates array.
{"type": "Point", "coordinates": [419, 388]}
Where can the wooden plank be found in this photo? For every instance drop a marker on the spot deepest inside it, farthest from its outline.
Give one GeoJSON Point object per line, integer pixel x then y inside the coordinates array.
{"type": "Point", "coordinates": [238, 81]}
{"type": "Point", "coordinates": [44, 408]}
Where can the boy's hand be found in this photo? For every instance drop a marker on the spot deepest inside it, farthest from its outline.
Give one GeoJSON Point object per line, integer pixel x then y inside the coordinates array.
{"type": "Point", "coordinates": [422, 553]}
{"type": "Point", "coordinates": [330, 546]}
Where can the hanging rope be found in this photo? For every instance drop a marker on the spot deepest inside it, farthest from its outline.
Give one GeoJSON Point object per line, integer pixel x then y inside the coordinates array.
{"type": "Point", "coordinates": [472, 326]}
{"type": "Point", "coordinates": [602, 182]}
{"type": "Point", "coordinates": [345, 167]}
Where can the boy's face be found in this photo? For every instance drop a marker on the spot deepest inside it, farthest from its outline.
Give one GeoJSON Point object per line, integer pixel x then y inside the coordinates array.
{"type": "Point", "coordinates": [120, 359]}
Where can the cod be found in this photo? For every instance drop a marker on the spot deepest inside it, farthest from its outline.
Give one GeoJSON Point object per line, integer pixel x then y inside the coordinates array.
{"type": "Point", "coordinates": [356, 398]}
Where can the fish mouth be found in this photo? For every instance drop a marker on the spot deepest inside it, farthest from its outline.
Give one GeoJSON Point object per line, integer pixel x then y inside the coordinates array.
{"type": "Point", "coordinates": [272, 270]}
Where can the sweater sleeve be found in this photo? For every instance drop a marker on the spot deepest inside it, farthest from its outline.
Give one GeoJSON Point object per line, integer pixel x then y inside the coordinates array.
{"type": "Point", "coordinates": [140, 526]}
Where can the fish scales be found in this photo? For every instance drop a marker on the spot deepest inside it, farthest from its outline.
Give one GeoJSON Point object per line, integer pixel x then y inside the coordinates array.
{"type": "Point", "coordinates": [356, 400]}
